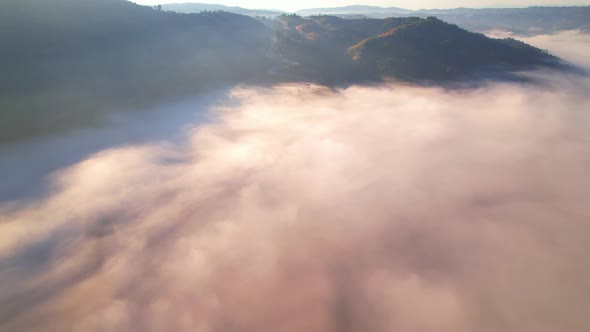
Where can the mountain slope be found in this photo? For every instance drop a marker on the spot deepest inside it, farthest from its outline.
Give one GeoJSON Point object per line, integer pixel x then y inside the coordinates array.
{"type": "Point", "coordinates": [314, 48]}
{"type": "Point", "coordinates": [432, 49]}
{"type": "Point", "coordinates": [329, 49]}
{"type": "Point", "coordinates": [191, 7]}
{"type": "Point", "coordinates": [65, 62]}
{"type": "Point", "coordinates": [531, 20]}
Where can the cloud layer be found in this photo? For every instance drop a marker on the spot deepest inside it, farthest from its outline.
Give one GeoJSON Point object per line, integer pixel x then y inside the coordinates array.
{"type": "Point", "coordinates": [389, 208]}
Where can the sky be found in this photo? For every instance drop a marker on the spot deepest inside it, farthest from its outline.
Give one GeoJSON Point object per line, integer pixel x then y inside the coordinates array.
{"type": "Point", "coordinates": [417, 4]}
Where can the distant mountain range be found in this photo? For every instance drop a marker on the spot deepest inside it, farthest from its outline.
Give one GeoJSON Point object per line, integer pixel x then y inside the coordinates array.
{"type": "Point", "coordinates": [532, 20]}
{"type": "Point", "coordinates": [333, 50]}
{"type": "Point", "coordinates": [353, 9]}
{"type": "Point", "coordinates": [201, 7]}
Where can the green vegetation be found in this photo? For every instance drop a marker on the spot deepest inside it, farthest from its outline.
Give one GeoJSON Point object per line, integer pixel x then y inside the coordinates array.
{"type": "Point", "coordinates": [315, 48]}
{"type": "Point", "coordinates": [434, 50]}
{"type": "Point", "coordinates": [523, 21]}
{"type": "Point", "coordinates": [329, 49]}
{"type": "Point", "coordinates": [65, 62]}
{"type": "Point", "coordinates": [532, 20]}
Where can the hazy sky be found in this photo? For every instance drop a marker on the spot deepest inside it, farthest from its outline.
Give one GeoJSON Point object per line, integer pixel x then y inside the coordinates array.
{"type": "Point", "coordinates": [417, 4]}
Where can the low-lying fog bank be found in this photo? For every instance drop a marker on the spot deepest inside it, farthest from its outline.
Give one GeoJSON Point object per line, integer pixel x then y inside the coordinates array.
{"type": "Point", "coordinates": [572, 45]}
{"type": "Point", "coordinates": [24, 166]}
{"type": "Point", "coordinates": [388, 208]}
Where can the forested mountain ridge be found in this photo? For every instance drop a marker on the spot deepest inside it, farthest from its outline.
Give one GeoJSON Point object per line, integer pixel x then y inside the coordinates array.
{"type": "Point", "coordinates": [331, 49]}
{"type": "Point", "coordinates": [353, 9]}
{"type": "Point", "coordinates": [104, 32]}
{"type": "Point", "coordinates": [531, 20]}
{"type": "Point", "coordinates": [432, 49]}
{"type": "Point", "coordinates": [190, 7]}
{"type": "Point", "coordinates": [315, 48]}
{"type": "Point", "coordinates": [64, 62]}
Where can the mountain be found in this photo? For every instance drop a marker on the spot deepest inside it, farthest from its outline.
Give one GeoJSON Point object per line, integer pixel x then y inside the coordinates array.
{"type": "Point", "coordinates": [65, 62]}
{"type": "Point", "coordinates": [315, 48]}
{"type": "Point", "coordinates": [524, 21]}
{"type": "Point", "coordinates": [190, 7]}
{"type": "Point", "coordinates": [436, 50]}
{"type": "Point", "coordinates": [353, 9]}
{"type": "Point", "coordinates": [532, 20]}
{"type": "Point", "coordinates": [329, 49]}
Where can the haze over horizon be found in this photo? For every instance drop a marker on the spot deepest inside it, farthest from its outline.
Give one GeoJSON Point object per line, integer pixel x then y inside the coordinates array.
{"type": "Point", "coordinates": [414, 5]}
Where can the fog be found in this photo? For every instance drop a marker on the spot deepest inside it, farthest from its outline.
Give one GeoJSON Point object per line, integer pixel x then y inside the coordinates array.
{"type": "Point", "coordinates": [27, 164]}
{"type": "Point", "coordinates": [303, 208]}
{"type": "Point", "coordinates": [572, 46]}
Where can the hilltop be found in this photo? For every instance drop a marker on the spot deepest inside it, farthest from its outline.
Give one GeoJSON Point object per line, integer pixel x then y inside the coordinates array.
{"type": "Point", "coordinates": [432, 49]}
{"type": "Point", "coordinates": [66, 62]}
{"type": "Point", "coordinates": [331, 49]}
{"type": "Point", "coordinates": [353, 9]}
{"type": "Point", "coordinates": [531, 20]}
{"type": "Point", "coordinates": [191, 7]}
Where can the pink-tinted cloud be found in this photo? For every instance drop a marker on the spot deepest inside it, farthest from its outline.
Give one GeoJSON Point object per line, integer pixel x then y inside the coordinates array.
{"type": "Point", "coordinates": [389, 208]}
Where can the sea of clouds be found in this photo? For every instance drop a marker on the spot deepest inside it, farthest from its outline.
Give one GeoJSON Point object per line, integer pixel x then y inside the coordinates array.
{"type": "Point", "coordinates": [304, 208]}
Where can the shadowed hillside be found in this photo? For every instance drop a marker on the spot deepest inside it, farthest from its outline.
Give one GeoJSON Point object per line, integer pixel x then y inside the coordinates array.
{"type": "Point", "coordinates": [432, 49]}
{"type": "Point", "coordinates": [65, 62]}
{"type": "Point", "coordinates": [200, 7]}
{"type": "Point", "coordinates": [329, 49]}
{"type": "Point", "coordinates": [531, 20]}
